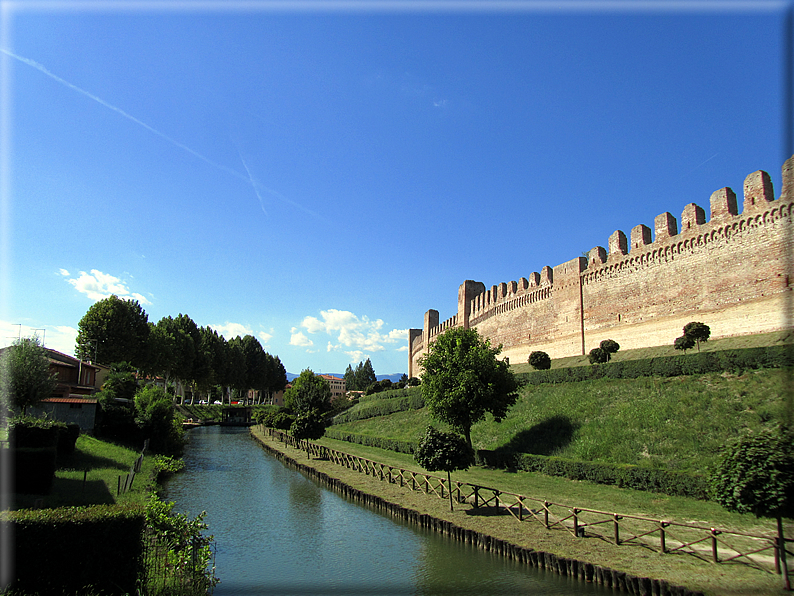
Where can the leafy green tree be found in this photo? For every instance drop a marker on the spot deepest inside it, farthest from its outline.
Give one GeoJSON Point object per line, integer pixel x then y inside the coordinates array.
{"type": "Point", "coordinates": [463, 380]}
{"type": "Point", "coordinates": [700, 332]}
{"type": "Point", "coordinates": [610, 346]}
{"type": "Point", "coordinates": [350, 379]}
{"type": "Point", "coordinates": [440, 451]}
{"type": "Point", "coordinates": [539, 360]}
{"type": "Point", "coordinates": [309, 425]}
{"type": "Point", "coordinates": [755, 474]}
{"type": "Point", "coordinates": [365, 375]}
{"type": "Point", "coordinates": [25, 377]}
{"type": "Point", "coordinates": [181, 335]}
{"type": "Point", "coordinates": [598, 356]}
{"type": "Point", "coordinates": [121, 382]}
{"type": "Point", "coordinates": [308, 392]}
{"type": "Point", "coordinates": [155, 416]}
{"type": "Point", "coordinates": [114, 330]}
{"type": "Point", "coordinates": [684, 343]}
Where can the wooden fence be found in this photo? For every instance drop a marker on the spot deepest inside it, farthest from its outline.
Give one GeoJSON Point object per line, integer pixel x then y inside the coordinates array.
{"type": "Point", "coordinates": [719, 545]}
{"type": "Point", "coordinates": [125, 481]}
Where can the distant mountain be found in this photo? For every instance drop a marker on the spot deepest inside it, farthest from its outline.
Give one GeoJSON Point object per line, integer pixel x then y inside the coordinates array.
{"type": "Point", "coordinates": [394, 377]}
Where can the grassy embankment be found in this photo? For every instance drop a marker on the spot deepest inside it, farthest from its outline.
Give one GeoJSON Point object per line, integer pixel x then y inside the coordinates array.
{"type": "Point", "coordinates": [678, 423]}
{"type": "Point", "coordinates": [100, 463]}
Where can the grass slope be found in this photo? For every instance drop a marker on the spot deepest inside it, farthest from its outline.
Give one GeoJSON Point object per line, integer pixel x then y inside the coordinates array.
{"type": "Point", "coordinates": [677, 423]}
{"type": "Point", "coordinates": [104, 463]}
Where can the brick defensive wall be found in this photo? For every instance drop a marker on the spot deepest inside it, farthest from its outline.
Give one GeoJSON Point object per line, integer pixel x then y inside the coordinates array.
{"type": "Point", "coordinates": [732, 272]}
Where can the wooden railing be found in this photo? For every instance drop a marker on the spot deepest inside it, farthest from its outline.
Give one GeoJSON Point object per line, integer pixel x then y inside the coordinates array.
{"type": "Point", "coordinates": [125, 482]}
{"type": "Point", "coordinates": [761, 551]}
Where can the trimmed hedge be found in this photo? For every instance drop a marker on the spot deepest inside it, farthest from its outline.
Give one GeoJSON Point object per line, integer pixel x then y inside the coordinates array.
{"type": "Point", "coordinates": [389, 444]}
{"type": "Point", "coordinates": [669, 366]}
{"type": "Point", "coordinates": [66, 550]}
{"type": "Point", "coordinates": [381, 407]}
{"type": "Point", "coordinates": [623, 475]}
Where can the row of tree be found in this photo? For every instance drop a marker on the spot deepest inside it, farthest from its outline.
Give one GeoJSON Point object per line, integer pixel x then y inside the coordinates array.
{"type": "Point", "coordinates": [176, 348]}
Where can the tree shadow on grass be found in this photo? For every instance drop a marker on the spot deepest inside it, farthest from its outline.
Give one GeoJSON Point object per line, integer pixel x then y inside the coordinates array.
{"type": "Point", "coordinates": [545, 438]}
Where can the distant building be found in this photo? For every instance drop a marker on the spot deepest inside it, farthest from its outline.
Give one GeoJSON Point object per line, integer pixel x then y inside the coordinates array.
{"type": "Point", "coordinates": [337, 385]}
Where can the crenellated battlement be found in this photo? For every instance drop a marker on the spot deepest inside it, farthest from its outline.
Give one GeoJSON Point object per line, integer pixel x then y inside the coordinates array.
{"type": "Point", "coordinates": [733, 267]}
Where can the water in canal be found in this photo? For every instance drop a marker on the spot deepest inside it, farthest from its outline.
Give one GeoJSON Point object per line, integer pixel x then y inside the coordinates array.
{"type": "Point", "coordinates": [280, 533]}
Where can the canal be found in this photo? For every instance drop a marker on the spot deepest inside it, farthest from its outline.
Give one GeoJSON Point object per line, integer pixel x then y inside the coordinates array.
{"type": "Point", "coordinates": [280, 533]}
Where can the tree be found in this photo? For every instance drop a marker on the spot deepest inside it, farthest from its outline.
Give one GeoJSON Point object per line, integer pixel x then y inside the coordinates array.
{"type": "Point", "coordinates": [755, 474]}
{"type": "Point", "coordinates": [114, 330]}
{"type": "Point", "coordinates": [350, 379]}
{"type": "Point", "coordinates": [308, 392]}
{"type": "Point", "coordinates": [463, 380]}
{"type": "Point", "coordinates": [309, 425]}
{"type": "Point", "coordinates": [610, 346]}
{"type": "Point", "coordinates": [684, 343]}
{"type": "Point", "coordinates": [25, 377]}
{"type": "Point", "coordinates": [443, 451]}
{"type": "Point", "coordinates": [154, 415]}
{"type": "Point", "coordinates": [700, 332]}
{"type": "Point", "coordinates": [539, 360]}
{"type": "Point", "coordinates": [598, 356]}
{"type": "Point", "coordinates": [365, 375]}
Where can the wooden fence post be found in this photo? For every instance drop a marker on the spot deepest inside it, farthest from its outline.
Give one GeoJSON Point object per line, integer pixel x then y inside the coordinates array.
{"type": "Point", "coordinates": [616, 518]}
{"type": "Point", "coordinates": [714, 534]}
{"type": "Point", "coordinates": [663, 545]}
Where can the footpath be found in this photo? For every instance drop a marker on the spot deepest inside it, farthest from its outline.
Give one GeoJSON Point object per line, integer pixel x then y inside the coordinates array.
{"type": "Point", "coordinates": [639, 569]}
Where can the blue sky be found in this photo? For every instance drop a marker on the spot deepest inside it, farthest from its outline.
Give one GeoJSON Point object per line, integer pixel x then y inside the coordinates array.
{"type": "Point", "coordinates": [319, 174]}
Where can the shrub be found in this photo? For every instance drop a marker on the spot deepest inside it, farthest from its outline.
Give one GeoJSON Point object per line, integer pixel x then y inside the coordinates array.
{"type": "Point", "coordinates": [756, 475]}
{"type": "Point", "coordinates": [598, 356]}
{"type": "Point", "coordinates": [539, 360]}
{"type": "Point", "coordinates": [684, 343]}
{"type": "Point", "coordinates": [610, 346]}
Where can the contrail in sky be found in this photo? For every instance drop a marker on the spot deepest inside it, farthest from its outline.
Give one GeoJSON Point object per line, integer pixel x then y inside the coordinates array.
{"type": "Point", "coordinates": [251, 179]}
{"type": "Point", "coordinates": [101, 101]}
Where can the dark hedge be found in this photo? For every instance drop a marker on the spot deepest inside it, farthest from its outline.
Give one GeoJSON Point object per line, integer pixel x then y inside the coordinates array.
{"type": "Point", "coordinates": [669, 366]}
{"type": "Point", "coordinates": [66, 550]}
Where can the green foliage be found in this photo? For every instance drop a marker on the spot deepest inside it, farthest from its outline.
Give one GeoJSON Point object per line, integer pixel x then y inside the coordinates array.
{"type": "Point", "coordinates": [114, 330]}
{"type": "Point", "coordinates": [734, 361]}
{"type": "Point", "coordinates": [382, 407]}
{"type": "Point", "coordinates": [166, 465]}
{"type": "Point", "coordinates": [610, 346]}
{"type": "Point", "coordinates": [25, 377]}
{"type": "Point", "coordinates": [74, 542]}
{"type": "Point", "coordinates": [700, 332]}
{"type": "Point", "coordinates": [755, 474]}
{"type": "Point", "coordinates": [308, 392]}
{"type": "Point", "coordinates": [372, 441]}
{"type": "Point", "coordinates": [155, 416]}
{"type": "Point", "coordinates": [684, 343]}
{"type": "Point", "coordinates": [187, 544]}
{"type": "Point", "coordinates": [539, 360]}
{"type": "Point", "coordinates": [440, 451]}
{"type": "Point", "coordinates": [121, 383]}
{"type": "Point", "coordinates": [379, 386]}
{"type": "Point", "coordinates": [598, 356]}
{"type": "Point", "coordinates": [360, 378]}
{"type": "Point", "coordinates": [308, 425]}
{"type": "Point", "coordinates": [278, 418]}
{"type": "Point", "coordinates": [463, 380]}
{"type": "Point", "coordinates": [414, 382]}
{"type": "Point", "coordinates": [669, 482]}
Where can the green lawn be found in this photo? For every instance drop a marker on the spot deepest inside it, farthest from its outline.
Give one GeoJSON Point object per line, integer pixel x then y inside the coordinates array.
{"type": "Point", "coordinates": [677, 423]}
{"type": "Point", "coordinates": [90, 476]}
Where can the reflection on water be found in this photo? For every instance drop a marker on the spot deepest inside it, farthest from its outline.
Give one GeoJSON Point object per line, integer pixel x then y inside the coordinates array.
{"type": "Point", "coordinates": [280, 533]}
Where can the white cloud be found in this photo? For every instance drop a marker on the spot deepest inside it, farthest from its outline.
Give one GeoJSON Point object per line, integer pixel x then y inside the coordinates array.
{"type": "Point", "coordinates": [350, 331]}
{"type": "Point", "coordinates": [231, 330]}
{"type": "Point", "coordinates": [298, 338]}
{"type": "Point", "coordinates": [265, 336]}
{"type": "Point", "coordinates": [98, 286]}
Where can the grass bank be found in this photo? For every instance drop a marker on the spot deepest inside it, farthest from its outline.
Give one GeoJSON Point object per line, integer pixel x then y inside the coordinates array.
{"type": "Point", "coordinates": [678, 423]}
{"type": "Point", "coordinates": [89, 476]}
{"type": "Point", "coordinates": [677, 569]}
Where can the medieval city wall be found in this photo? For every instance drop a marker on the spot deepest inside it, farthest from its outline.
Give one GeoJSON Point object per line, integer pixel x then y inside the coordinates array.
{"type": "Point", "coordinates": [731, 272]}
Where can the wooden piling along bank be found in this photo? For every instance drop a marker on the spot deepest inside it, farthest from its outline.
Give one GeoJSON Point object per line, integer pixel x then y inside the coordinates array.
{"type": "Point", "coordinates": [618, 580]}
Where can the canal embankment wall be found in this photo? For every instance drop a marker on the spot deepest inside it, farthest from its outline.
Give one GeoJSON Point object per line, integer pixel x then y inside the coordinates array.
{"type": "Point", "coordinates": [565, 566]}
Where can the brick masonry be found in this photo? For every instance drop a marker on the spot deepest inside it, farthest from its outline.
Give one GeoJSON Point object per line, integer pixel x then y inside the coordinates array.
{"type": "Point", "coordinates": [732, 272]}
